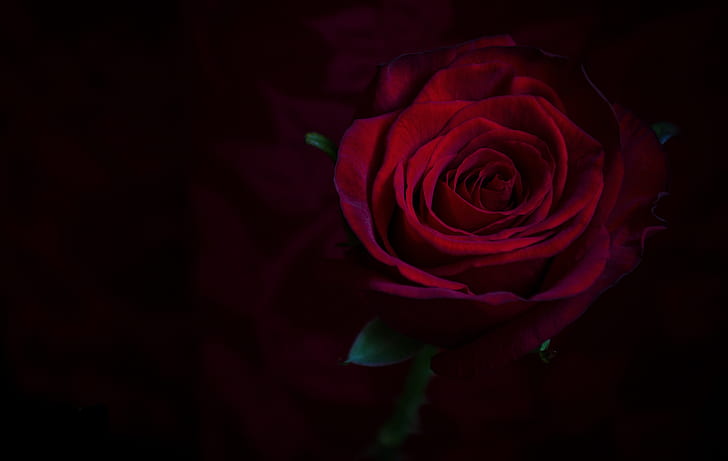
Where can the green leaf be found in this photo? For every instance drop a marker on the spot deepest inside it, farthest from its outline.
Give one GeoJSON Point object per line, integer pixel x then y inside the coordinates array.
{"type": "Point", "coordinates": [320, 141]}
{"type": "Point", "coordinates": [665, 131]}
{"type": "Point", "coordinates": [378, 345]}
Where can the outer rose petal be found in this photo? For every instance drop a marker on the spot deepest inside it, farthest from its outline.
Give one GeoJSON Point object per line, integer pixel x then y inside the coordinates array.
{"type": "Point", "coordinates": [456, 83]}
{"type": "Point", "coordinates": [645, 171]}
{"type": "Point", "coordinates": [522, 334]}
{"type": "Point", "coordinates": [467, 319]}
{"type": "Point", "coordinates": [583, 103]}
{"type": "Point", "coordinates": [398, 82]}
{"type": "Point", "coordinates": [541, 321]}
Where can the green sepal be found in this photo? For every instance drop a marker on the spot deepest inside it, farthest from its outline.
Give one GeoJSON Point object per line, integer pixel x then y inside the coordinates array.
{"type": "Point", "coordinates": [378, 345]}
{"type": "Point", "coordinates": [664, 131]}
{"type": "Point", "coordinates": [544, 346]}
{"type": "Point", "coordinates": [544, 353]}
{"type": "Point", "coordinates": [323, 143]}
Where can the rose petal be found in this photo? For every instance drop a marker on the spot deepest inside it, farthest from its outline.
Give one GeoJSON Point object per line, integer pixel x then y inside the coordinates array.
{"type": "Point", "coordinates": [582, 101]}
{"type": "Point", "coordinates": [430, 160]}
{"type": "Point", "coordinates": [398, 82]}
{"type": "Point", "coordinates": [523, 333]}
{"type": "Point", "coordinates": [360, 151]}
{"type": "Point", "coordinates": [541, 239]}
{"type": "Point", "coordinates": [522, 85]}
{"type": "Point", "coordinates": [575, 269]}
{"type": "Point", "coordinates": [645, 175]}
{"type": "Point", "coordinates": [471, 82]}
{"type": "Point", "coordinates": [413, 127]}
{"type": "Point", "coordinates": [527, 114]}
{"type": "Point", "coordinates": [630, 222]}
{"type": "Point", "coordinates": [519, 278]}
{"type": "Point", "coordinates": [423, 318]}
{"type": "Point", "coordinates": [453, 208]}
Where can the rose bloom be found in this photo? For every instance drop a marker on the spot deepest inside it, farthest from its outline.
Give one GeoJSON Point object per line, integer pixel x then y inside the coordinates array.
{"type": "Point", "coordinates": [498, 193]}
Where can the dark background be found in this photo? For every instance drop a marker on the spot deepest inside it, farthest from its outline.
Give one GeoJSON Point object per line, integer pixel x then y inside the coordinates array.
{"type": "Point", "coordinates": [169, 257]}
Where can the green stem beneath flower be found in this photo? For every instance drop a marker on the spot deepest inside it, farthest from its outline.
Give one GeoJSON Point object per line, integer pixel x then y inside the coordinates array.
{"type": "Point", "coordinates": [402, 423]}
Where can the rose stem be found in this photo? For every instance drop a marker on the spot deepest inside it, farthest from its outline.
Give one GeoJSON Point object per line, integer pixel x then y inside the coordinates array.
{"type": "Point", "coordinates": [403, 420]}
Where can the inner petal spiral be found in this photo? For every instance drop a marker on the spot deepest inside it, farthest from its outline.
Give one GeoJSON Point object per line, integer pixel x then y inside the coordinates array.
{"type": "Point", "coordinates": [487, 180]}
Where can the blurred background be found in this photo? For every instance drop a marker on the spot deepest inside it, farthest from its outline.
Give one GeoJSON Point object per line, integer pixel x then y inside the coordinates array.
{"type": "Point", "coordinates": [170, 274]}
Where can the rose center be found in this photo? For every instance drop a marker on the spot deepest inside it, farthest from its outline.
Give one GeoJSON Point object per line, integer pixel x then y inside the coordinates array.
{"type": "Point", "coordinates": [496, 192]}
{"type": "Point", "coordinates": [489, 187]}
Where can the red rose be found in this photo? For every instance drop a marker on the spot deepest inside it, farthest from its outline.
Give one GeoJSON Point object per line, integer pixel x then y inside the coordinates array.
{"type": "Point", "coordinates": [499, 192]}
